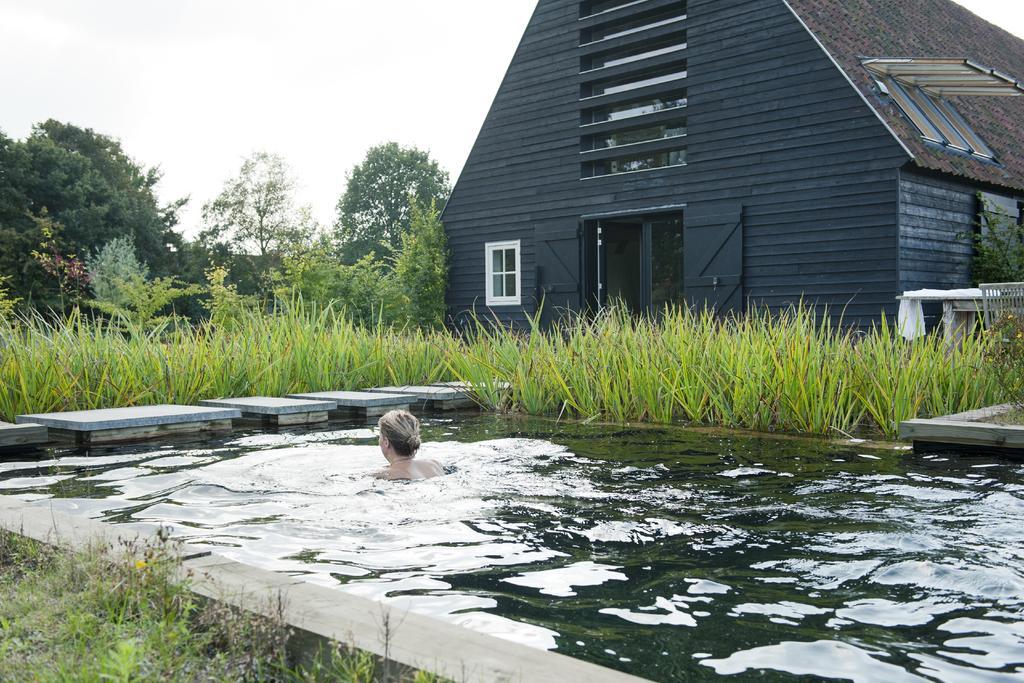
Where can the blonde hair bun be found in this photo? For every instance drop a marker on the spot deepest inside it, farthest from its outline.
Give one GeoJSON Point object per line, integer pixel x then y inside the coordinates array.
{"type": "Point", "coordinates": [402, 430]}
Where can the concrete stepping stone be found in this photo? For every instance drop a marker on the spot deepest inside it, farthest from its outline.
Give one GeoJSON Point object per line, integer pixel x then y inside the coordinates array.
{"type": "Point", "coordinates": [119, 425]}
{"type": "Point", "coordinates": [17, 437]}
{"type": "Point", "coordinates": [365, 404]}
{"type": "Point", "coordinates": [437, 398]}
{"type": "Point", "coordinates": [470, 386]}
{"type": "Point", "coordinates": [276, 412]}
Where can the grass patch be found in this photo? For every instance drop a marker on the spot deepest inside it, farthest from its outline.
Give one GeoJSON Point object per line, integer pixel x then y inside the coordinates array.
{"type": "Point", "coordinates": [788, 372]}
{"type": "Point", "coordinates": [125, 614]}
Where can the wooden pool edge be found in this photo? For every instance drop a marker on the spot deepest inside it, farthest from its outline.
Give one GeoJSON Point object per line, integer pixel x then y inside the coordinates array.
{"type": "Point", "coordinates": [967, 432]}
{"type": "Point", "coordinates": [22, 437]}
{"type": "Point", "coordinates": [319, 613]}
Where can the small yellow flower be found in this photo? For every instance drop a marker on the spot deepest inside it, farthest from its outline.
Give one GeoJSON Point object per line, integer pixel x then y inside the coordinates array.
{"type": "Point", "coordinates": [1020, 335]}
{"type": "Point", "coordinates": [141, 564]}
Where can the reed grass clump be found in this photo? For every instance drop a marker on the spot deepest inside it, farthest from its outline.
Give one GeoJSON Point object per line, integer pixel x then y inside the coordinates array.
{"type": "Point", "coordinates": [790, 371]}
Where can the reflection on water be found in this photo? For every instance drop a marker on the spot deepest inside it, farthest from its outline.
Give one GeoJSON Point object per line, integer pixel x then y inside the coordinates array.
{"type": "Point", "coordinates": [662, 552]}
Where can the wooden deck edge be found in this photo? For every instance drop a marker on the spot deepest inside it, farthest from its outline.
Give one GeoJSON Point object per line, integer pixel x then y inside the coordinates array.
{"type": "Point", "coordinates": [979, 414]}
{"type": "Point", "coordinates": [954, 432]}
{"type": "Point", "coordinates": [414, 640]}
{"type": "Point", "coordinates": [22, 436]}
{"type": "Point", "coordinates": [130, 435]}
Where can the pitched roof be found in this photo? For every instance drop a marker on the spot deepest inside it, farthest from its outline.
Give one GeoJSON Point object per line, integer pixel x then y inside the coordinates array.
{"type": "Point", "coordinates": [852, 30]}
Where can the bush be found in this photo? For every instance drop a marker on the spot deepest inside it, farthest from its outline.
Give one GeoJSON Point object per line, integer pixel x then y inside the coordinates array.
{"type": "Point", "coordinates": [1006, 354]}
{"type": "Point", "coordinates": [227, 307]}
{"type": "Point", "coordinates": [312, 274]}
{"type": "Point", "coordinates": [999, 248]}
{"type": "Point", "coordinates": [411, 290]}
{"type": "Point", "coordinates": [70, 272]}
{"type": "Point", "coordinates": [112, 267]}
{"type": "Point", "coordinates": [144, 299]}
{"type": "Point", "coordinates": [421, 268]}
{"type": "Point", "coordinates": [7, 302]}
{"type": "Point", "coordinates": [366, 290]}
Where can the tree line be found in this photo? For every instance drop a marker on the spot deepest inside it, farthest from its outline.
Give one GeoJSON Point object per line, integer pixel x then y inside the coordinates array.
{"type": "Point", "coordinates": [81, 225]}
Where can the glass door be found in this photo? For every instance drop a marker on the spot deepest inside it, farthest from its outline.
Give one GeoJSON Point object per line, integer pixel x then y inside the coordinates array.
{"type": "Point", "coordinates": [622, 264]}
{"type": "Point", "coordinates": [666, 240]}
{"type": "Point", "coordinates": [639, 263]}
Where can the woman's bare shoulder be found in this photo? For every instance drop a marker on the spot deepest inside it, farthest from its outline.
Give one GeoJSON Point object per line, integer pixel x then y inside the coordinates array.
{"type": "Point", "coordinates": [418, 469]}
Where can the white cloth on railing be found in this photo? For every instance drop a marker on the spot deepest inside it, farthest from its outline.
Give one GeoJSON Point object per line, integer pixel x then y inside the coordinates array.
{"type": "Point", "coordinates": [910, 319]}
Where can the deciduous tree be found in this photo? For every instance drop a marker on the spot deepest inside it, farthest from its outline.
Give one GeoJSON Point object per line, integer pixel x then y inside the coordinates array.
{"type": "Point", "coordinates": [84, 182]}
{"type": "Point", "coordinates": [374, 210]}
{"type": "Point", "coordinates": [255, 212]}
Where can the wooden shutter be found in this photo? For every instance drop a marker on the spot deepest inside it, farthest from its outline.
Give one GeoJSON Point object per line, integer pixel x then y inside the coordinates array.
{"type": "Point", "coordinates": [558, 275]}
{"type": "Point", "coordinates": [713, 258]}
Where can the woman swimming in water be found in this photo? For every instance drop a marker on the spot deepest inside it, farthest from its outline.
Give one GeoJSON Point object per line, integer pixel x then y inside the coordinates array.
{"type": "Point", "coordinates": [399, 441]}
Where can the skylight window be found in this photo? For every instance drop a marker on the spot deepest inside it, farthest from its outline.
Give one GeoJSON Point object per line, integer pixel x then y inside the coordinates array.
{"type": "Point", "coordinates": [936, 119]}
{"type": "Point", "coordinates": [920, 86]}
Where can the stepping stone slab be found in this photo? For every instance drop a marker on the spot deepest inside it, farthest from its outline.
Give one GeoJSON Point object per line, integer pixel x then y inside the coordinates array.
{"type": "Point", "coordinates": [470, 386]}
{"type": "Point", "coordinates": [360, 403]}
{"type": "Point", "coordinates": [443, 398]}
{"type": "Point", "coordinates": [276, 411]}
{"type": "Point", "coordinates": [22, 436]}
{"type": "Point", "coordinates": [116, 425]}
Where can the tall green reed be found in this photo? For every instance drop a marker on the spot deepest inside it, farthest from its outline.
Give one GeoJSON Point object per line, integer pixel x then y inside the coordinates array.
{"type": "Point", "coordinates": [787, 371]}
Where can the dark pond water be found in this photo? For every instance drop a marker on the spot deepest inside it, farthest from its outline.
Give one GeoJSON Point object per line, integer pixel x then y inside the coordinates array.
{"type": "Point", "coordinates": [659, 551]}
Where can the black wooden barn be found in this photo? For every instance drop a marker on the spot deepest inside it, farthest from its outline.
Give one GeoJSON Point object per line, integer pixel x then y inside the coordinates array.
{"type": "Point", "coordinates": [737, 153]}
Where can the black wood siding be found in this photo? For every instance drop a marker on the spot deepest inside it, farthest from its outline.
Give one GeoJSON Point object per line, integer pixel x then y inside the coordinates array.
{"type": "Point", "coordinates": [773, 124]}
{"type": "Point", "coordinates": [937, 217]}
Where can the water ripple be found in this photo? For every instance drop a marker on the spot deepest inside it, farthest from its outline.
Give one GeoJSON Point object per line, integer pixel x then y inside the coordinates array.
{"type": "Point", "coordinates": [659, 551]}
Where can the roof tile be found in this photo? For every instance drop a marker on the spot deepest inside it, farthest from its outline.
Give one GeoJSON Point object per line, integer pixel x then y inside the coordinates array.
{"type": "Point", "coordinates": [854, 29]}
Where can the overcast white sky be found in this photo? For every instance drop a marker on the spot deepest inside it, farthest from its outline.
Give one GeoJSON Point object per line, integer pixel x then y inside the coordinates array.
{"type": "Point", "coordinates": [195, 85]}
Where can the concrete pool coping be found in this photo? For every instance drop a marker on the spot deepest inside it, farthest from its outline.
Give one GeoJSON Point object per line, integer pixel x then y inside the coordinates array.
{"type": "Point", "coordinates": [966, 431]}
{"type": "Point", "coordinates": [413, 640]}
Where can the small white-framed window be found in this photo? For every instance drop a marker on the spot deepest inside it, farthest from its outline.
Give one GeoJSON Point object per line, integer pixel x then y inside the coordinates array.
{"type": "Point", "coordinates": [504, 283]}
